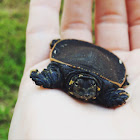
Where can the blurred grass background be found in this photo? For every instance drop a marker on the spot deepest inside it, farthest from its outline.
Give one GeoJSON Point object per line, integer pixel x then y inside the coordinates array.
{"type": "Point", "coordinates": [13, 22]}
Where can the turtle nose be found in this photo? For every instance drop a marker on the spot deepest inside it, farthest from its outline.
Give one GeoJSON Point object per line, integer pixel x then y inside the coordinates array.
{"type": "Point", "coordinates": [87, 95]}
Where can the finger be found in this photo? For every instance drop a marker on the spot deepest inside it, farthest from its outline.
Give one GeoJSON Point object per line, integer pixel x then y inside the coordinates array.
{"type": "Point", "coordinates": [77, 20]}
{"type": "Point", "coordinates": [41, 29]}
{"type": "Point", "coordinates": [111, 29]}
{"type": "Point", "coordinates": [133, 9]}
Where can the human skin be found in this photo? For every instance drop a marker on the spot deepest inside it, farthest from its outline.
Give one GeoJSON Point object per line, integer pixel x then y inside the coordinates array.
{"type": "Point", "coordinates": [52, 114]}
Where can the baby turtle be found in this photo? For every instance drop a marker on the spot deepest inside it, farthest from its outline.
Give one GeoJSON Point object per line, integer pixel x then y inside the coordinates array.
{"type": "Point", "coordinates": [85, 71]}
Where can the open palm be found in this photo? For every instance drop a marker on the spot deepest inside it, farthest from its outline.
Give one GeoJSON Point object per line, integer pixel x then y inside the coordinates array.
{"type": "Point", "coordinates": [49, 113]}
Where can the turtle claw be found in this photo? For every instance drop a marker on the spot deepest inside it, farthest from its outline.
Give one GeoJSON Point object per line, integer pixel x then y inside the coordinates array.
{"type": "Point", "coordinates": [114, 98]}
{"type": "Point", "coordinates": [118, 99]}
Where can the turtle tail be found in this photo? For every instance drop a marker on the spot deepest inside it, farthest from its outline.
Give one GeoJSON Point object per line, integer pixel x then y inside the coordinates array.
{"type": "Point", "coordinates": [53, 43]}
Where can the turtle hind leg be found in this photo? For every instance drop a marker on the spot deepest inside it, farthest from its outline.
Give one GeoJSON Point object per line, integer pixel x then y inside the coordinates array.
{"type": "Point", "coordinates": [53, 42]}
{"type": "Point", "coordinates": [114, 98]}
{"type": "Point", "coordinates": [48, 78]}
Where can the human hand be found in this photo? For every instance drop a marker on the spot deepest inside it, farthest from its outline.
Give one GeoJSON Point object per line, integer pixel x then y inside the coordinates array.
{"type": "Point", "coordinates": [50, 113]}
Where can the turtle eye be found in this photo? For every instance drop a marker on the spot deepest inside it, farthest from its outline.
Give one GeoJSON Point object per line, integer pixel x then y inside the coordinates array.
{"type": "Point", "coordinates": [93, 83]}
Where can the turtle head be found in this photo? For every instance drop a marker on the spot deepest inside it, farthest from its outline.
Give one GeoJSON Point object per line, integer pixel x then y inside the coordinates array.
{"type": "Point", "coordinates": [84, 87]}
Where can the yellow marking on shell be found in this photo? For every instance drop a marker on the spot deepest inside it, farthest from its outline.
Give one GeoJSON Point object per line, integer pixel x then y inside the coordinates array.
{"type": "Point", "coordinates": [98, 89]}
{"type": "Point", "coordinates": [94, 98]}
{"type": "Point", "coordinates": [119, 84]}
{"type": "Point", "coordinates": [71, 82]}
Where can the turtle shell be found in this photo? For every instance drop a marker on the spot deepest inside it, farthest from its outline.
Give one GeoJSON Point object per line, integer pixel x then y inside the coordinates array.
{"type": "Point", "coordinates": [91, 58]}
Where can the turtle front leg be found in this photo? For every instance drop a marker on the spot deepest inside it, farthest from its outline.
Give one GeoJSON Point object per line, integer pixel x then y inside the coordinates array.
{"type": "Point", "coordinates": [48, 78]}
{"type": "Point", "coordinates": [113, 98]}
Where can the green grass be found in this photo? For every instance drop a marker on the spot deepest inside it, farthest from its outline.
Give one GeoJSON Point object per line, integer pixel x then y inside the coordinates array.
{"type": "Point", "coordinates": [13, 21]}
